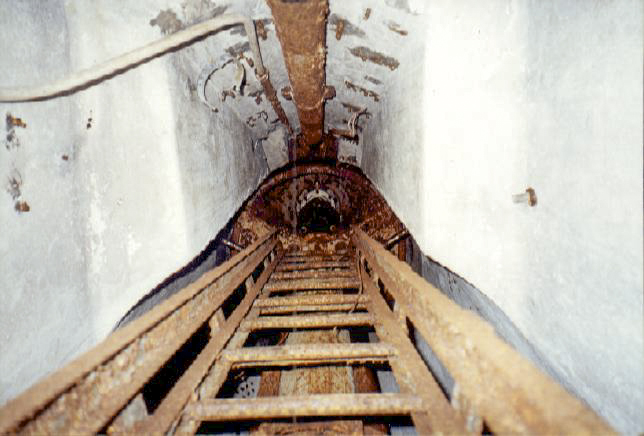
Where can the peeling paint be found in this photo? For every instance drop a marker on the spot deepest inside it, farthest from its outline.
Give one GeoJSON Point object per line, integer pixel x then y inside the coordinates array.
{"type": "Point", "coordinates": [11, 140]}
{"type": "Point", "coordinates": [13, 185]}
{"type": "Point", "coordinates": [167, 21]}
{"type": "Point", "coordinates": [237, 50]}
{"type": "Point", "coordinates": [345, 27]}
{"type": "Point", "coordinates": [366, 92]}
{"type": "Point", "coordinates": [11, 122]}
{"type": "Point", "coordinates": [373, 80]}
{"type": "Point", "coordinates": [366, 54]}
{"type": "Point", "coordinates": [351, 108]}
{"type": "Point", "coordinates": [257, 95]}
{"type": "Point", "coordinates": [252, 120]}
{"type": "Point", "coordinates": [227, 93]}
{"type": "Point", "coordinates": [395, 27]}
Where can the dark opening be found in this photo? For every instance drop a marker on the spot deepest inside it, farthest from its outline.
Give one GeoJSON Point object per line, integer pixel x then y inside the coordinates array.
{"type": "Point", "coordinates": [318, 216]}
{"type": "Point", "coordinates": [160, 384]}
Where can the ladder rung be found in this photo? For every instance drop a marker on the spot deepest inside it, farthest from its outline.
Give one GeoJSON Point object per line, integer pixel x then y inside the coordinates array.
{"type": "Point", "coordinates": [321, 308]}
{"type": "Point", "coordinates": [308, 354]}
{"type": "Point", "coordinates": [306, 284]}
{"type": "Point", "coordinates": [304, 300]}
{"type": "Point", "coordinates": [315, 258]}
{"type": "Point", "coordinates": [318, 274]}
{"type": "Point", "coordinates": [312, 405]}
{"type": "Point", "coordinates": [314, 265]}
{"type": "Point", "coordinates": [307, 321]}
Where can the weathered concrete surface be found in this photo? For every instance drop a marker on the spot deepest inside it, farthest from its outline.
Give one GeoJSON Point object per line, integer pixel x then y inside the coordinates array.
{"type": "Point", "coordinates": [509, 94]}
{"type": "Point", "coordinates": [125, 182]}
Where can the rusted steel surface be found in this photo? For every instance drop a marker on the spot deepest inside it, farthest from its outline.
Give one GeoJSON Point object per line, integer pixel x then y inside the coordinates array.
{"type": "Point", "coordinates": [311, 405]}
{"type": "Point", "coordinates": [358, 201]}
{"type": "Point", "coordinates": [321, 308]}
{"type": "Point", "coordinates": [525, 399]}
{"type": "Point", "coordinates": [322, 378]}
{"type": "Point", "coordinates": [311, 300]}
{"type": "Point", "coordinates": [306, 284]}
{"type": "Point", "coordinates": [217, 374]}
{"type": "Point", "coordinates": [324, 428]}
{"type": "Point", "coordinates": [309, 321]}
{"type": "Point", "coordinates": [366, 382]}
{"type": "Point", "coordinates": [301, 30]}
{"type": "Point", "coordinates": [315, 258]}
{"type": "Point", "coordinates": [409, 369]}
{"type": "Point", "coordinates": [303, 354]}
{"type": "Point", "coordinates": [176, 399]}
{"type": "Point", "coordinates": [312, 274]}
{"type": "Point", "coordinates": [84, 395]}
{"type": "Point", "coordinates": [302, 266]}
{"type": "Point", "coordinates": [213, 381]}
{"type": "Point", "coordinates": [305, 254]}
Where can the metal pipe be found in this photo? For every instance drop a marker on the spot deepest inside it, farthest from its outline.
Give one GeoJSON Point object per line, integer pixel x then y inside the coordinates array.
{"type": "Point", "coordinates": [85, 78]}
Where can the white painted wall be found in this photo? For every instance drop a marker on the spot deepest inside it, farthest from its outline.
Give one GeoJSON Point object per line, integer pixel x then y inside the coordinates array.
{"type": "Point", "coordinates": [142, 192]}
{"type": "Point", "coordinates": [511, 94]}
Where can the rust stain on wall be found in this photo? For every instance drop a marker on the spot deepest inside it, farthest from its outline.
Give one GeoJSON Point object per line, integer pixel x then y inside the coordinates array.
{"type": "Point", "coordinates": [12, 121]}
{"type": "Point", "coordinates": [260, 28]}
{"type": "Point", "coordinates": [22, 206]}
{"type": "Point", "coordinates": [368, 55]}
{"type": "Point", "coordinates": [339, 28]}
{"type": "Point", "coordinates": [366, 92]}
{"type": "Point", "coordinates": [344, 27]}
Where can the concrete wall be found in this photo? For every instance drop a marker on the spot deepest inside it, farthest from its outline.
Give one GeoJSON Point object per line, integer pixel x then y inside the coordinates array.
{"type": "Point", "coordinates": [125, 182]}
{"type": "Point", "coordinates": [502, 95]}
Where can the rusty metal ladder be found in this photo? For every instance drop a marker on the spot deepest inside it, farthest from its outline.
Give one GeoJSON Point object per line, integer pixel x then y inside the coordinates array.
{"type": "Point", "coordinates": [291, 300]}
{"type": "Point", "coordinates": [263, 289]}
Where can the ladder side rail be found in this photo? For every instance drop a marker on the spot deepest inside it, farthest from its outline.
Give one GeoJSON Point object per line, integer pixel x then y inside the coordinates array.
{"type": "Point", "coordinates": [87, 393]}
{"type": "Point", "coordinates": [172, 404]}
{"type": "Point", "coordinates": [506, 389]}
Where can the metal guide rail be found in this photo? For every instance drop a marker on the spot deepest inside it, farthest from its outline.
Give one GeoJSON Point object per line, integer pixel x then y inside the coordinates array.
{"type": "Point", "coordinates": [497, 390]}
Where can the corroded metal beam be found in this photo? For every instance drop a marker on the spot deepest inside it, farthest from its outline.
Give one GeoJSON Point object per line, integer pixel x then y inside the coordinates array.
{"type": "Point", "coordinates": [309, 354]}
{"type": "Point", "coordinates": [526, 400]}
{"type": "Point", "coordinates": [411, 372]}
{"type": "Point", "coordinates": [315, 258]}
{"type": "Point", "coordinates": [170, 408]}
{"type": "Point", "coordinates": [314, 308]}
{"type": "Point", "coordinates": [311, 405]}
{"type": "Point", "coordinates": [312, 274]}
{"type": "Point", "coordinates": [301, 29]}
{"type": "Point", "coordinates": [311, 300]}
{"type": "Point", "coordinates": [308, 284]}
{"type": "Point", "coordinates": [308, 321]}
{"type": "Point", "coordinates": [301, 266]}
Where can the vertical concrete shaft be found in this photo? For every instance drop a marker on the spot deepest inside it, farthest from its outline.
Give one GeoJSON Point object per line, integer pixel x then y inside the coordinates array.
{"type": "Point", "coordinates": [301, 29]}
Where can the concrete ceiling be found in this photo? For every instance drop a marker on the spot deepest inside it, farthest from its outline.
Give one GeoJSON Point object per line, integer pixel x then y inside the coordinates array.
{"type": "Point", "coordinates": [362, 41]}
